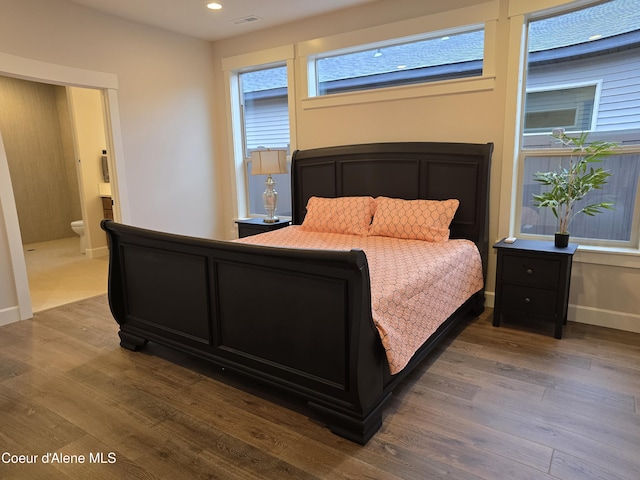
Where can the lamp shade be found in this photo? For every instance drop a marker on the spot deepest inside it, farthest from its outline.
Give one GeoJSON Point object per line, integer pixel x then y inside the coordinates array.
{"type": "Point", "coordinates": [268, 162]}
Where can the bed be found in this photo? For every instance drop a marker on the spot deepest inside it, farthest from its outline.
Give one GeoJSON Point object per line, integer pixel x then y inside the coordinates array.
{"type": "Point", "coordinates": [308, 328]}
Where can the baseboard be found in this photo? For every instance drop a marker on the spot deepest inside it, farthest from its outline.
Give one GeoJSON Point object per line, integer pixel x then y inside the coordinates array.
{"type": "Point", "coordinates": [629, 322]}
{"type": "Point", "coordinates": [9, 315]}
{"type": "Point", "coordinates": [489, 299]}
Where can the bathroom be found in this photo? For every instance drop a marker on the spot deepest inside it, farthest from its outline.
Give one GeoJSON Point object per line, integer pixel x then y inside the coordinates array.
{"type": "Point", "coordinates": [54, 137]}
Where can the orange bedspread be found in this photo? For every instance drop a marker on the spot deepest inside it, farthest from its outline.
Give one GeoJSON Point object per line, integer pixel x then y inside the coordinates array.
{"type": "Point", "coordinates": [415, 285]}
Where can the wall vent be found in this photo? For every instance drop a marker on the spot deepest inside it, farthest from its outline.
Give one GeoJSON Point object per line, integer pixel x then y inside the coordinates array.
{"type": "Point", "coordinates": [248, 19]}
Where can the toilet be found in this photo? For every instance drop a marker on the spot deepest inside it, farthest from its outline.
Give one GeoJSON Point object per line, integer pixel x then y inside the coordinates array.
{"type": "Point", "coordinates": [78, 227]}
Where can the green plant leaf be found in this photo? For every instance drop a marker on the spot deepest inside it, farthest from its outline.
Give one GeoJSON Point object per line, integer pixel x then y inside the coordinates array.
{"type": "Point", "coordinates": [572, 184]}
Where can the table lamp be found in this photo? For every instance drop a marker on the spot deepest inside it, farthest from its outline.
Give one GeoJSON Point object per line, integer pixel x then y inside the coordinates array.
{"type": "Point", "coordinates": [269, 162]}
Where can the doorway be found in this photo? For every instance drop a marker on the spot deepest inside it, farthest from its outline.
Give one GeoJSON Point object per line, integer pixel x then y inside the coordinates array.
{"type": "Point", "coordinates": [42, 145]}
{"type": "Point", "coordinates": [16, 281]}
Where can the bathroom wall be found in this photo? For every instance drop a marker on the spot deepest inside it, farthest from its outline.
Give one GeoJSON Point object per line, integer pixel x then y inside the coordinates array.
{"type": "Point", "coordinates": [87, 116]}
{"type": "Point", "coordinates": [66, 137]}
{"type": "Point", "coordinates": [35, 125]}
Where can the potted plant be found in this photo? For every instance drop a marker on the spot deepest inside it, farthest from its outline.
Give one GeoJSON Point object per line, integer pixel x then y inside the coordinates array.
{"type": "Point", "coordinates": [570, 185]}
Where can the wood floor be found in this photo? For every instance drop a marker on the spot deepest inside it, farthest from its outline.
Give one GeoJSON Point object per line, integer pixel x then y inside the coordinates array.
{"type": "Point", "coordinates": [491, 403]}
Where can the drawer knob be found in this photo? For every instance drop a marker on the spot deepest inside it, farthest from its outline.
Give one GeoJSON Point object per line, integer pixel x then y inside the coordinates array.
{"type": "Point", "coordinates": [527, 300]}
{"type": "Point", "coordinates": [529, 271]}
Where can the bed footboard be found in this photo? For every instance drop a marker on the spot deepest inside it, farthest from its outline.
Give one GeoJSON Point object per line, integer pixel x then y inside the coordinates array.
{"type": "Point", "coordinates": [296, 319]}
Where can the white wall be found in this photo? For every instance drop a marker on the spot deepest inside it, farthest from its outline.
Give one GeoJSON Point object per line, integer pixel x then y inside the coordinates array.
{"type": "Point", "coordinates": [165, 95]}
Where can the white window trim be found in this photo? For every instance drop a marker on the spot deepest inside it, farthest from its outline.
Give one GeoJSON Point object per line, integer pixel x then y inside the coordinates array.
{"type": "Point", "coordinates": [405, 92]}
{"type": "Point", "coordinates": [508, 222]}
{"type": "Point", "coordinates": [313, 59]}
{"type": "Point", "coordinates": [454, 20]}
{"type": "Point", "coordinates": [473, 15]}
{"type": "Point", "coordinates": [232, 66]}
{"type": "Point", "coordinates": [545, 7]}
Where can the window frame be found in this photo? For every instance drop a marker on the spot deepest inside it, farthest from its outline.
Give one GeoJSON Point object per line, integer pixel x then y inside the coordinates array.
{"type": "Point", "coordinates": [484, 15]}
{"type": "Point", "coordinates": [253, 185]}
{"type": "Point", "coordinates": [232, 67]}
{"type": "Point", "coordinates": [314, 87]}
{"type": "Point", "coordinates": [520, 14]}
{"type": "Point", "coordinates": [634, 240]}
{"type": "Point", "coordinates": [568, 86]}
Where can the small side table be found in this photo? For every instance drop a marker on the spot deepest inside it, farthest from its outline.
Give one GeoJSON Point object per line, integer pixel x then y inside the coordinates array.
{"type": "Point", "coordinates": [532, 280]}
{"type": "Point", "coordinates": [253, 226]}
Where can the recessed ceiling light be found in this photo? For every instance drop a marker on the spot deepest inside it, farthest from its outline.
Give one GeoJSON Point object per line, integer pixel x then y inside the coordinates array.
{"type": "Point", "coordinates": [214, 6]}
{"type": "Point", "coordinates": [595, 37]}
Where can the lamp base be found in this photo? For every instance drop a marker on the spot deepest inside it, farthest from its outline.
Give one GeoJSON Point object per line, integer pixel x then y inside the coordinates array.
{"type": "Point", "coordinates": [270, 199]}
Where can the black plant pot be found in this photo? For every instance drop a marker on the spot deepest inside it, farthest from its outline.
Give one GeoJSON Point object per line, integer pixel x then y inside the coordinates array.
{"type": "Point", "coordinates": [561, 240]}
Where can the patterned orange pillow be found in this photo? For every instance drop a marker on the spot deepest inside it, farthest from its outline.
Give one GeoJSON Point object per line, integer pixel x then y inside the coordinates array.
{"type": "Point", "coordinates": [413, 219]}
{"type": "Point", "coordinates": [350, 215]}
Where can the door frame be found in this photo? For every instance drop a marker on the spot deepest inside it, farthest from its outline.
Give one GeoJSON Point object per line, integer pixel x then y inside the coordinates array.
{"type": "Point", "coordinates": [43, 72]}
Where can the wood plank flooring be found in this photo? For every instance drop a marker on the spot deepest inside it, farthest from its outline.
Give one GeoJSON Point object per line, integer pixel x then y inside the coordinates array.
{"type": "Point", "coordinates": [491, 403]}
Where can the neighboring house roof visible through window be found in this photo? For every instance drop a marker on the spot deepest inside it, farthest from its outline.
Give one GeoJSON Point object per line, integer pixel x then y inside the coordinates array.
{"type": "Point", "coordinates": [625, 41]}
{"type": "Point", "coordinates": [446, 50]}
{"type": "Point", "coordinates": [602, 29]}
{"type": "Point", "coordinates": [606, 20]}
{"type": "Point", "coordinates": [617, 24]}
{"type": "Point", "coordinates": [267, 79]}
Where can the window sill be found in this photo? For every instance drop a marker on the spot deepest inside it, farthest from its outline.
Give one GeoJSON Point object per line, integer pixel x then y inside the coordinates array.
{"type": "Point", "coordinates": [445, 87]}
{"type": "Point", "coordinates": [615, 257]}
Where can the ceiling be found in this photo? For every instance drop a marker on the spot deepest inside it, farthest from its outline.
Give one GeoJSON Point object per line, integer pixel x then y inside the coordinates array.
{"type": "Point", "coordinates": [193, 18]}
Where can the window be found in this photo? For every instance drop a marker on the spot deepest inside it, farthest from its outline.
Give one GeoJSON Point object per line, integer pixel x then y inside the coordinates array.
{"type": "Point", "coordinates": [611, 225]}
{"type": "Point", "coordinates": [265, 123]}
{"type": "Point", "coordinates": [571, 108]}
{"type": "Point", "coordinates": [261, 115]}
{"type": "Point", "coordinates": [583, 75]}
{"type": "Point", "coordinates": [441, 57]}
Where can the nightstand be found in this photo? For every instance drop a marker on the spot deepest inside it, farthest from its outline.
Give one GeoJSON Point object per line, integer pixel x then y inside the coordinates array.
{"type": "Point", "coordinates": [532, 281]}
{"type": "Point", "coordinates": [253, 226]}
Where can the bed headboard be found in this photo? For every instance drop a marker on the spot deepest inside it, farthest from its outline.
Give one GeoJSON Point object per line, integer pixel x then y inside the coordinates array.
{"type": "Point", "coordinates": [409, 170]}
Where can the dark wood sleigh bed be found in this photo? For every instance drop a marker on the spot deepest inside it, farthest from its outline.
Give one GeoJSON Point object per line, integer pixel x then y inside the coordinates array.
{"type": "Point", "coordinates": [211, 298]}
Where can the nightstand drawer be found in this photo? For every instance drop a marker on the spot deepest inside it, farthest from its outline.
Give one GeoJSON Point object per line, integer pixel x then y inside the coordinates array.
{"type": "Point", "coordinates": [536, 272]}
{"type": "Point", "coordinates": [535, 301]}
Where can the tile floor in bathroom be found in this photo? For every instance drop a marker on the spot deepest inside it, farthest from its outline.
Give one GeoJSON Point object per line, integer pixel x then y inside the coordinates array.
{"type": "Point", "coordinates": [58, 273]}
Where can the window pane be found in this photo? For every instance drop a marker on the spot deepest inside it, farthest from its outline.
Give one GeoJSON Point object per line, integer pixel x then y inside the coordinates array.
{"type": "Point", "coordinates": [583, 75]}
{"type": "Point", "coordinates": [568, 108]}
{"type": "Point", "coordinates": [594, 46]}
{"type": "Point", "coordinates": [446, 57]}
{"type": "Point", "coordinates": [621, 190]}
{"type": "Point", "coordinates": [266, 113]}
{"type": "Point", "coordinates": [266, 125]}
